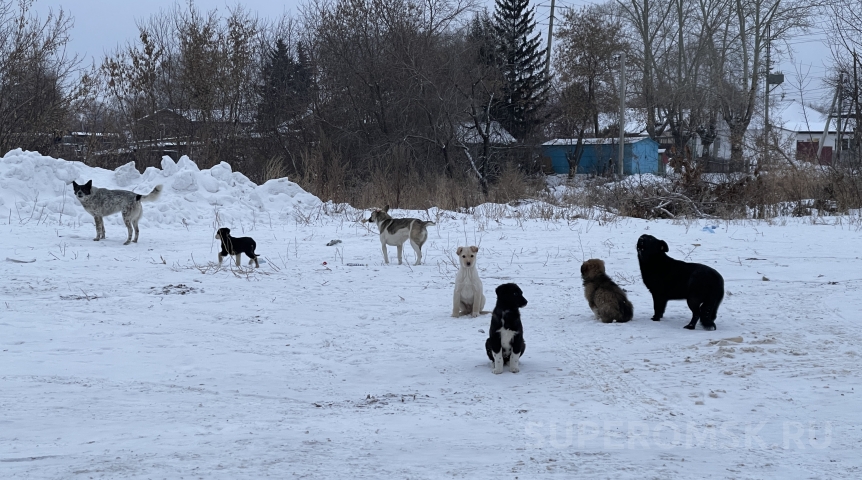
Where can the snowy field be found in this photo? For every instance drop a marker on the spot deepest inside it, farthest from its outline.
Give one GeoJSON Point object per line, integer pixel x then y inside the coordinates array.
{"type": "Point", "coordinates": [148, 361]}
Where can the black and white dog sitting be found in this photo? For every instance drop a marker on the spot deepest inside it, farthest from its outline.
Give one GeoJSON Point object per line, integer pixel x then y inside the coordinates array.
{"type": "Point", "coordinates": [669, 279]}
{"type": "Point", "coordinates": [505, 343]}
{"type": "Point", "coordinates": [236, 246]}
{"type": "Point", "coordinates": [101, 202]}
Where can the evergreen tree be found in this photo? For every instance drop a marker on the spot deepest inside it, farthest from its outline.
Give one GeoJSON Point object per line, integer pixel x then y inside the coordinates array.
{"type": "Point", "coordinates": [286, 83]}
{"type": "Point", "coordinates": [521, 61]}
{"type": "Point", "coordinates": [483, 35]}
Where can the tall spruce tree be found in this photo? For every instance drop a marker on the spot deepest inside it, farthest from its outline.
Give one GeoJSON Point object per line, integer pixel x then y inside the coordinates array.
{"type": "Point", "coordinates": [483, 34]}
{"type": "Point", "coordinates": [284, 92]}
{"type": "Point", "coordinates": [521, 61]}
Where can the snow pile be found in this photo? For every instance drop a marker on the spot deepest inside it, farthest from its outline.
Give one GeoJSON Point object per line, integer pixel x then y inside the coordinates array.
{"type": "Point", "coordinates": [39, 188]}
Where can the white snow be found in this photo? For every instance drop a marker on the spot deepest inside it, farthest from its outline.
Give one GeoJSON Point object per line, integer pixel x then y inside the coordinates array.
{"type": "Point", "coordinates": [148, 361]}
{"type": "Point", "coordinates": [192, 196]}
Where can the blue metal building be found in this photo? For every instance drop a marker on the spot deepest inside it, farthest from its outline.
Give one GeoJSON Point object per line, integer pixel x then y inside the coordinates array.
{"type": "Point", "coordinates": [640, 155]}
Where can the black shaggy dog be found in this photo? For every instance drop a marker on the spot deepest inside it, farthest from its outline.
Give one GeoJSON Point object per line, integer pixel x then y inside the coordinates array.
{"type": "Point", "coordinates": [668, 279]}
{"type": "Point", "coordinates": [236, 246]}
{"type": "Point", "coordinates": [505, 343]}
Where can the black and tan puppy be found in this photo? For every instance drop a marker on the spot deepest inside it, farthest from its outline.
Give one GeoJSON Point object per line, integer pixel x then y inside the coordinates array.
{"type": "Point", "coordinates": [236, 246]}
{"type": "Point", "coordinates": [505, 343]}
{"type": "Point", "coordinates": [669, 279]}
{"type": "Point", "coordinates": [607, 300]}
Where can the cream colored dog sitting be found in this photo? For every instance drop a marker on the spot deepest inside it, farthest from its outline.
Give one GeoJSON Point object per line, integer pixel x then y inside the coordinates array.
{"type": "Point", "coordinates": [468, 297]}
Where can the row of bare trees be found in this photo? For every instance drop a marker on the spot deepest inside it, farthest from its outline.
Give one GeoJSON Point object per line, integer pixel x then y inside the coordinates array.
{"type": "Point", "coordinates": [398, 91]}
{"type": "Point", "coordinates": [699, 65]}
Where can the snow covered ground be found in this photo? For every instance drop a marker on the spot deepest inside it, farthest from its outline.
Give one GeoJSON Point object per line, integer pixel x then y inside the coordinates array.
{"type": "Point", "coordinates": [148, 361]}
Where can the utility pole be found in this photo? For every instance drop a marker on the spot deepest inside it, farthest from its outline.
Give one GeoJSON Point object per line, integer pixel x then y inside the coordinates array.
{"type": "Point", "coordinates": [857, 134]}
{"type": "Point", "coordinates": [826, 128]}
{"type": "Point", "coordinates": [766, 98]}
{"type": "Point", "coordinates": [550, 38]}
{"type": "Point", "coordinates": [838, 121]}
{"type": "Point", "coordinates": [622, 112]}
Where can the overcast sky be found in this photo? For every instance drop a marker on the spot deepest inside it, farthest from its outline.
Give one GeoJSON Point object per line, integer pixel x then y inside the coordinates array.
{"type": "Point", "coordinates": [102, 25]}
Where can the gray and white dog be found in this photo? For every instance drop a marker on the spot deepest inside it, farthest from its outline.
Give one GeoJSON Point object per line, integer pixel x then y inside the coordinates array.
{"type": "Point", "coordinates": [396, 231]}
{"type": "Point", "coordinates": [101, 202]}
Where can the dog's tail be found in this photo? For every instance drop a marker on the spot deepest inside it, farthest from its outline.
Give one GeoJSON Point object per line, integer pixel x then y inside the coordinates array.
{"type": "Point", "coordinates": [429, 223]}
{"type": "Point", "coordinates": [152, 196]}
{"type": "Point", "coordinates": [626, 310]}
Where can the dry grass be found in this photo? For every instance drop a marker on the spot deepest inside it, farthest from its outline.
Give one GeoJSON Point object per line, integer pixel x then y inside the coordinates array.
{"type": "Point", "coordinates": [398, 178]}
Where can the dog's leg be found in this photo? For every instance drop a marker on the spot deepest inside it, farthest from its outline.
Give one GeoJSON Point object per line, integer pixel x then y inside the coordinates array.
{"type": "Point", "coordinates": [221, 256]}
{"type": "Point", "coordinates": [513, 363]}
{"type": "Point", "coordinates": [477, 304]}
{"type": "Point", "coordinates": [137, 230]}
{"type": "Point", "coordinates": [708, 312]}
{"type": "Point", "coordinates": [659, 304]}
{"type": "Point", "coordinates": [418, 249]}
{"type": "Point", "coordinates": [238, 263]}
{"type": "Point", "coordinates": [400, 252]}
{"type": "Point", "coordinates": [498, 362]}
{"type": "Point", "coordinates": [99, 228]}
{"type": "Point", "coordinates": [128, 222]}
{"type": "Point", "coordinates": [253, 260]}
{"type": "Point", "coordinates": [694, 306]}
{"type": "Point", "coordinates": [456, 302]}
{"type": "Point", "coordinates": [386, 254]}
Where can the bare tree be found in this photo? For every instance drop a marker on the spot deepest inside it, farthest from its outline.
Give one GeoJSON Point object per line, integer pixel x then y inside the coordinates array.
{"type": "Point", "coordinates": [846, 43]}
{"type": "Point", "coordinates": [199, 69]}
{"type": "Point", "coordinates": [36, 77]}
{"type": "Point", "coordinates": [588, 40]}
{"type": "Point", "coordinates": [384, 77]}
{"type": "Point", "coordinates": [648, 20]}
{"type": "Point", "coordinates": [741, 59]}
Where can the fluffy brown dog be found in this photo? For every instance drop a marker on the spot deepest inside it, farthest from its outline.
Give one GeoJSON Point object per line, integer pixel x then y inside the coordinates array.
{"type": "Point", "coordinates": [607, 300]}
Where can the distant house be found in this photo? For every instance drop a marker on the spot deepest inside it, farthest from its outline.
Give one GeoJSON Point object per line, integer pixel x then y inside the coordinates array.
{"type": "Point", "coordinates": [164, 132]}
{"type": "Point", "coordinates": [640, 155]}
{"type": "Point", "coordinates": [81, 145]}
{"type": "Point", "coordinates": [718, 153]}
{"type": "Point", "coordinates": [175, 132]}
{"type": "Point", "coordinates": [498, 135]}
{"type": "Point", "coordinates": [802, 128]}
{"type": "Point", "coordinates": [162, 123]}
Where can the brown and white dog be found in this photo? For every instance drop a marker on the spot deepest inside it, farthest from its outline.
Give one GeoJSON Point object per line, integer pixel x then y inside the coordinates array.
{"type": "Point", "coordinates": [468, 297]}
{"type": "Point", "coordinates": [396, 231]}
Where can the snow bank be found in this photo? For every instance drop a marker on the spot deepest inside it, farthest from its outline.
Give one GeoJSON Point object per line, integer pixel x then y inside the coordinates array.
{"type": "Point", "coordinates": [39, 188]}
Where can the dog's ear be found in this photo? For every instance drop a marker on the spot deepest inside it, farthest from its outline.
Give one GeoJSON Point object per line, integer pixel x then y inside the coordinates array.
{"type": "Point", "coordinates": [458, 252]}
{"type": "Point", "coordinates": [663, 246]}
{"type": "Point", "coordinates": [89, 184]}
{"type": "Point", "coordinates": [386, 209]}
{"type": "Point", "coordinates": [75, 184]}
{"type": "Point", "coordinates": [474, 249]}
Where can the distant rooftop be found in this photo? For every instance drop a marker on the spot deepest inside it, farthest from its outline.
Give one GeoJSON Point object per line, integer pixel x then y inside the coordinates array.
{"type": "Point", "coordinates": [592, 141]}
